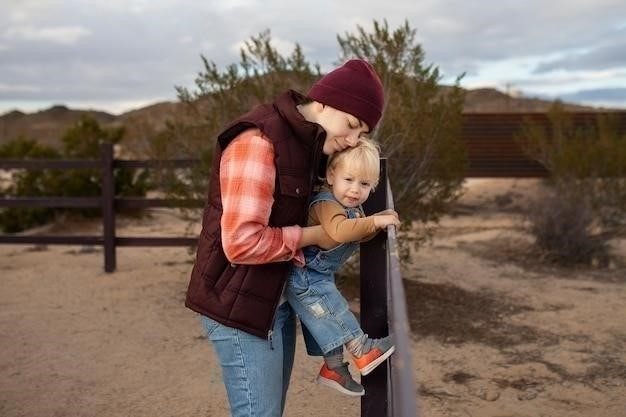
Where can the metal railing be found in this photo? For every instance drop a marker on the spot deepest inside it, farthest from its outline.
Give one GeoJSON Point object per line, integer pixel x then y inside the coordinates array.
{"type": "Point", "coordinates": [390, 391]}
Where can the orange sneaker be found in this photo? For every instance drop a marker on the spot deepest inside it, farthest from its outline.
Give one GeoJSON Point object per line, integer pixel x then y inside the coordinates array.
{"type": "Point", "coordinates": [340, 379]}
{"type": "Point", "coordinates": [381, 350]}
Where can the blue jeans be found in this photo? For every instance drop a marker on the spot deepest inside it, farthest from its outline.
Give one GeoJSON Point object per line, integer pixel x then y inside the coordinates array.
{"type": "Point", "coordinates": [321, 307]}
{"type": "Point", "coordinates": [255, 370]}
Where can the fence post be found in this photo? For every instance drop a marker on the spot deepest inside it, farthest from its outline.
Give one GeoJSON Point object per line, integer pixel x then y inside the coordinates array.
{"type": "Point", "coordinates": [373, 270]}
{"type": "Point", "coordinates": [108, 209]}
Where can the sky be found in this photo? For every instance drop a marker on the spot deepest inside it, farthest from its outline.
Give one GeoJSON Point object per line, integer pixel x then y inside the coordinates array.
{"type": "Point", "coordinates": [119, 55]}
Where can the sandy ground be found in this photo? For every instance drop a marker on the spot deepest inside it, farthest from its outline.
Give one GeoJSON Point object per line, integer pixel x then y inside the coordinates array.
{"type": "Point", "coordinates": [494, 334]}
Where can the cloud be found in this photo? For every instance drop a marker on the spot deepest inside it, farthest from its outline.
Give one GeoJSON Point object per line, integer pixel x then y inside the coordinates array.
{"type": "Point", "coordinates": [616, 95]}
{"type": "Point", "coordinates": [21, 89]}
{"type": "Point", "coordinates": [65, 35]}
{"type": "Point", "coordinates": [607, 56]}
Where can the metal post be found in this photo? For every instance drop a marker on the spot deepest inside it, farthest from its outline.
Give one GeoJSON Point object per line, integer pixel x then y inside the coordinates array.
{"type": "Point", "coordinates": [373, 261]}
{"type": "Point", "coordinates": [108, 209]}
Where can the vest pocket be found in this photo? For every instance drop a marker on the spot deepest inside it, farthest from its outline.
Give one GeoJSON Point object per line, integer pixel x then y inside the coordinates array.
{"type": "Point", "coordinates": [290, 206]}
{"type": "Point", "coordinates": [296, 186]}
{"type": "Point", "coordinates": [217, 269]}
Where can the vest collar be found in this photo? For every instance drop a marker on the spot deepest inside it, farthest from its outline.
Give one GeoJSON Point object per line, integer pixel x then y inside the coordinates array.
{"type": "Point", "coordinates": [310, 134]}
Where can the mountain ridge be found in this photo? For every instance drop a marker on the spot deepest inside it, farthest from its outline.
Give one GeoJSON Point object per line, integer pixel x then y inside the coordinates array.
{"type": "Point", "coordinates": [49, 125]}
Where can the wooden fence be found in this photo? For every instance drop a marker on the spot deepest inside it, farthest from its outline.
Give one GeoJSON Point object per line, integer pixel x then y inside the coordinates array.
{"type": "Point", "coordinates": [107, 202]}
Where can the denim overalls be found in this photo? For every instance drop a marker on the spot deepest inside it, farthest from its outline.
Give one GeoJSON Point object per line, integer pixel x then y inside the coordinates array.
{"type": "Point", "coordinates": [312, 293]}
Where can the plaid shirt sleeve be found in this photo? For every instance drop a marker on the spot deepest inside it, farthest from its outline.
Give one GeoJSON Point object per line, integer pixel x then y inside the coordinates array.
{"type": "Point", "coordinates": [247, 181]}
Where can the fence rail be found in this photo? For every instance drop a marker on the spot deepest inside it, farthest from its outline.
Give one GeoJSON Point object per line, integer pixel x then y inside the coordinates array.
{"type": "Point", "coordinates": [403, 387]}
{"type": "Point", "coordinates": [390, 391]}
{"type": "Point", "coordinates": [107, 202]}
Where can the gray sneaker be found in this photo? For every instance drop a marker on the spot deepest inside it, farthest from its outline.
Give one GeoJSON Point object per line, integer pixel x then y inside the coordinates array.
{"type": "Point", "coordinates": [340, 379]}
{"type": "Point", "coordinates": [377, 352]}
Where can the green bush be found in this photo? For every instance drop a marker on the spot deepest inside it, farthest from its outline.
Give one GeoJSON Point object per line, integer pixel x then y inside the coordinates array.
{"type": "Point", "coordinates": [562, 225]}
{"type": "Point", "coordinates": [587, 166]}
{"type": "Point", "coordinates": [81, 141]}
{"type": "Point", "coordinates": [27, 183]}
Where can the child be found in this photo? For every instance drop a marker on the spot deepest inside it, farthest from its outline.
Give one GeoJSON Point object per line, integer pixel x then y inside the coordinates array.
{"type": "Point", "coordinates": [350, 176]}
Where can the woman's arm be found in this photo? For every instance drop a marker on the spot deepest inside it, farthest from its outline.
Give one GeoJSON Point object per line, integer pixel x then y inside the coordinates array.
{"type": "Point", "coordinates": [247, 177]}
{"type": "Point", "coordinates": [315, 235]}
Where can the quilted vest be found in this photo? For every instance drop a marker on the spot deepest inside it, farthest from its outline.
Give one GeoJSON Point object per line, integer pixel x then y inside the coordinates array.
{"type": "Point", "coordinates": [247, 296]}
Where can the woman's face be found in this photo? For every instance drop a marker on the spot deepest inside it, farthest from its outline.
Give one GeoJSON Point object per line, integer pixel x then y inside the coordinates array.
{"type": "Point", "coordinates": [342, 129]}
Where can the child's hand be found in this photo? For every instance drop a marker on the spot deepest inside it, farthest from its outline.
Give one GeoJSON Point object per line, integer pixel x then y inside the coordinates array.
{"type": "Point", "coordinates": [386, 218]}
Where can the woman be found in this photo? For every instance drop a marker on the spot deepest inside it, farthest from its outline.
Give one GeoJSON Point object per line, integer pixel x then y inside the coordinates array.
{"type": "Point", "coordinates": [254, 226]}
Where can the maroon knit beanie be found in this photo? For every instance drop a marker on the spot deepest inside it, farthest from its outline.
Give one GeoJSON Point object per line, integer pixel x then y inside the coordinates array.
{"type": "Point", "coordinates": [354, 88]}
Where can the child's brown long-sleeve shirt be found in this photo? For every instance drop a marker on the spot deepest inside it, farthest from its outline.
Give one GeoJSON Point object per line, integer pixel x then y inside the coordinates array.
{"type": "Point", "coordinates": [332, 216]}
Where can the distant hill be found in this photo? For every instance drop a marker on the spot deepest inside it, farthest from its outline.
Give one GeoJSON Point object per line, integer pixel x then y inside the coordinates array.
{"type": "Point", "coordinates": [49, 125]}
{"type": "Point", "coordinates": [490, 100]}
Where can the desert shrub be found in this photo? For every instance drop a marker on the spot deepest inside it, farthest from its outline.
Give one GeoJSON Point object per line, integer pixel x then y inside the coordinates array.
{"type": "Point", "coordinates": [587, 166]}
{"type": "Point", "coordinates": [81, 141]}
{"type": "Point", "coordinates": [563, 226]}
{"type": "Point", "coordinates": [26, 183]}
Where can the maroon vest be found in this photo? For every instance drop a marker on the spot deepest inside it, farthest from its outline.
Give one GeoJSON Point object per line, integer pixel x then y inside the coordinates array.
{"type": "Point", "coordinates": [246, 296]}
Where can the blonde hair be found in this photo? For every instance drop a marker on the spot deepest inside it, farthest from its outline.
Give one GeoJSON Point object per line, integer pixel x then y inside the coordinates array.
{"type": "Point", "coordinates": [363, 158]}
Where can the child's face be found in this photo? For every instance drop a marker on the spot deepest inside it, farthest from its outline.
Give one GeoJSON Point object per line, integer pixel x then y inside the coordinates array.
{"type": "Point", "coordinates": [350, 188]}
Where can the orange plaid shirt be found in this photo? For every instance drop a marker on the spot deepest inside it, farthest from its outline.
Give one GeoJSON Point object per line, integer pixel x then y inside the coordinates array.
{"type": "Point", "coordinates": [247, 180]}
